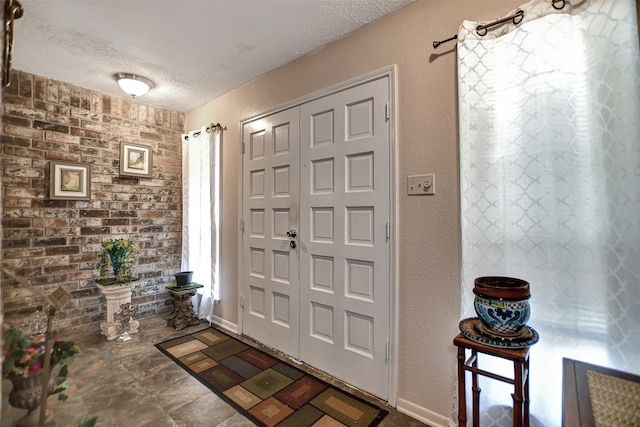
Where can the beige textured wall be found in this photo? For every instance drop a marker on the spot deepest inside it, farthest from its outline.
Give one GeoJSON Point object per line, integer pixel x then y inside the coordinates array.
{"type": "Point", "coordinates": [429, 229]}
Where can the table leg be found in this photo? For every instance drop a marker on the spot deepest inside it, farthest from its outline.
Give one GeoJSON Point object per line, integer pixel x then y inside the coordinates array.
{"type": "Point", "coordinates": [462, 401]}
{"type": "Point", "coordinates": [526, 393]}
{"type": "Point", "coordinates": [517, 395]}
{"type": "Point", "coordinates": [476, 389]}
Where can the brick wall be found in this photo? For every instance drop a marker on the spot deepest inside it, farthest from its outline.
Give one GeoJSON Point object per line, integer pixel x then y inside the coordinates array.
{"type": "Point", "coordinates": [52, 243]}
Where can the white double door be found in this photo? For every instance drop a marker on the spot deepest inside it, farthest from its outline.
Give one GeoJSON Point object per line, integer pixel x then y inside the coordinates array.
{"type": "Point", "coordinates": [316, 247]}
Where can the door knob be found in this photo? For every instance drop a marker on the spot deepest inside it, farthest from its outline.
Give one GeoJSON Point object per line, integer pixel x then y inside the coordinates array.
{"type": "Point", "coordinates": [292, 233]}
{"type": "Point", "coordinates": [292, 244]}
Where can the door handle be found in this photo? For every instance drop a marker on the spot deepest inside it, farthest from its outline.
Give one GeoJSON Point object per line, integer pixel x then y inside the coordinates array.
{"type": "Point", "coordinates": [292, 233]}
{"type": "Point", "coordinates": [292, 244]}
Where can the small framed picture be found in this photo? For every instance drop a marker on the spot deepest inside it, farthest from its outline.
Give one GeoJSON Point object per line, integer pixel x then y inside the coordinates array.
{"type": "Point", "coordinates": [69, 181]}
{"type": "Point", "coordinates": [135, 160]}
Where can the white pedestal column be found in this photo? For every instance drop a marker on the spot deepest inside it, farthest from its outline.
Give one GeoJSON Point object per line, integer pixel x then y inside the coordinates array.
{"type": "Point", "coordinates": [116, 295]}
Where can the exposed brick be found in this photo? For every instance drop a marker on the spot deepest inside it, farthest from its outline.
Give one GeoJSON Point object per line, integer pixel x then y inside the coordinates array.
{"type": "Point", "coordinates": [152, 229]}
{"type": "Point", "coordinates": [20, 110]}
{"type": "Point", "coordinates": [26, 85]}
{"type": "Point", "coordinates": [61, 111]}
{"type": "Point", "coordinates": [25, 132]}
{"type": "Point", "coordinates": [14, 141]}
{"type": "Point", "coordinates": [133, 112]}
{"type": "Point", "coordinates": [53, 243]}
{"type": "Point", "coordinates": [75, 97]}
{"type": "Point", "coordinates": [61, 137]}
{"type": "Point", "coordinates": [85, 103]}
{"type": "Point", "coordinates": [13, 87]}
{"type": "Point", "coordinates": [85, 222]}
{"type": "Point", "coordinates": [124, 214]}
{"type": "Point", "coordinates": [151, 136]}
{"type": "Point", "coordinates": [16, 121]}
{"type": "Point", "coordinates": [50, 222]}
{"type": "Point", "coordinates": [64, 94]}
{"type": "Point", "coordinates": [96, 213]}
{"type": "Point", "coordinates": [106, 104]}
{"type": "Point", "coordinates": [151, 115]}
{"type": "Point", "coordinates": [62, 250]}
{"type": "Point", "coordinates": [8, 254]}
{"type": "Point", "coordinates": [95, 230]}
{"type": "Point", "coordinates": [40, 88]}
{"type": "Point", "coordinates": [22, 234]}
{"type": "Point", "coordinates": [49, 279]}
{"type": "Point", "coordinates": [27, 271]}
{"type": "Point", "coordinates": [58, 118]}
{"type": "Point", "coordinates": [50, 242]}
{"type": "Point", "coordinates": [52, 92]}
{"type": "Point", "coordinates": [85, 133]}
{"type": "Point", "coordinates": [15, 223]}
{"type": "Point", "coordinates": [51, 260]}
{"type": "Point", "coordinates": [115, 221]}
{"type": "Point", "coordinates": [96, 102]}
{"type": "Point", "coordinates": [55, 127]}
{"type": "Point", "coordinates": [56, 268]}
{"type": "Point", "coordinates": [16, 243]}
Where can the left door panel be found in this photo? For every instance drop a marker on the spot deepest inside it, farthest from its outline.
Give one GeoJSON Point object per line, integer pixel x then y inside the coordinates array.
{"type": "Point", "coordinates": [270, 210]}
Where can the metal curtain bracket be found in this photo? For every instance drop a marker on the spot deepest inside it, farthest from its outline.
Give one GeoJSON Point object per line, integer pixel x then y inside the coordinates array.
{"type": "Point", "coordinates": [12, 11]}
{"type": "Point", "coordinates": [516, 18]}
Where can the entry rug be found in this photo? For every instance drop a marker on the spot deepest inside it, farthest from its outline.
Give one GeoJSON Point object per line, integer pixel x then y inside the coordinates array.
{"type": "Point", "coordinates": [264, 389]}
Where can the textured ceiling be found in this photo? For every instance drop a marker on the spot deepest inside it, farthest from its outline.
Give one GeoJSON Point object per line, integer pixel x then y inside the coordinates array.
{"type": "Point", "coordinates": [194, 50]}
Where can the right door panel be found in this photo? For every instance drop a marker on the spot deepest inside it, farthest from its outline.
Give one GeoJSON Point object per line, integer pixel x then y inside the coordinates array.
{"type": "Point", "coordinates": [345, 248]}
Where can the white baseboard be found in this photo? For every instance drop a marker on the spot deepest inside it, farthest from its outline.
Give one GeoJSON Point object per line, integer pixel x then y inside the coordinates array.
{"type": "Point", "coordinates": [224, 324]}
{"type": "Point", "coordinates": [421, 414]}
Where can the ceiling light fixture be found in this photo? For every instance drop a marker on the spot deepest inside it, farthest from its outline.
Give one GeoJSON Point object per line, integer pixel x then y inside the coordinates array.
{"type": "Point", "coordinates": [133, 84]}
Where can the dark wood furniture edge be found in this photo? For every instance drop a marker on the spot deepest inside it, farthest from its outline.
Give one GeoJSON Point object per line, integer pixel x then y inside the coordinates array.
{"type": "Point", "coordinates": [576, 405]}
{"type": "Point", "coordinates": [520, 354]}
{"type": "Point", "coordinates": [570, 411]}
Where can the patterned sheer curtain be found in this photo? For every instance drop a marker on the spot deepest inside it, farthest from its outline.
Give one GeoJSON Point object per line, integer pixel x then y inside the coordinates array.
{"type": "Point", "coordinates": [200, 213]}
{"type": "Point", "coordinates": [550, 186]}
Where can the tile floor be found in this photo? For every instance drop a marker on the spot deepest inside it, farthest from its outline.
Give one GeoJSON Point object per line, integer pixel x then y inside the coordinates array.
{"type": "Point", "coordinates": [132, 383]}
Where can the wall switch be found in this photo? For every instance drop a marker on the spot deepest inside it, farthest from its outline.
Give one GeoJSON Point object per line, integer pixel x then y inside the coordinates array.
{"type": "Point", "coordinates": [419, 185]}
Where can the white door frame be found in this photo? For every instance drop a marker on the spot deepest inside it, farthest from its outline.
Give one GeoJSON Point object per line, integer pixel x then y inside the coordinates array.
{"type": "Point", "coordinates": [390, 72]}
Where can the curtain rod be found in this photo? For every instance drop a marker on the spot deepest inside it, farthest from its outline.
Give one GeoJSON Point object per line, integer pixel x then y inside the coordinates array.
{"type": "Point", "coordinates": [217, 127]}
{"type": "Point", "coordinates": [482, 29]}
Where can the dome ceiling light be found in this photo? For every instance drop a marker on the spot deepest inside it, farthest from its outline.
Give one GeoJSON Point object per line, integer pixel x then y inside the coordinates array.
{"type": "Point", "coordinates": [133, 84]}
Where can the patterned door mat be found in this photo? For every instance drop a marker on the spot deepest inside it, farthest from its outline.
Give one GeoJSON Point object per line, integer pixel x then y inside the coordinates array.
{"type": "Point", "coordinates": [266, 390]}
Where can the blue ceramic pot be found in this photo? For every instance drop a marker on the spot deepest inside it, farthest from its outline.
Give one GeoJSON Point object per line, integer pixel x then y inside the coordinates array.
{"type": "Point", "coordinates": [503, 317]}
{"type": "Point", "coordinates": [502, 303]}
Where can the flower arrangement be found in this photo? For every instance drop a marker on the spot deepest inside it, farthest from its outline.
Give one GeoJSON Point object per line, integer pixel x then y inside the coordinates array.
{"type": "Point", "coordinates": [24, 356]}
{"type": "Point", "coordinates": [120, 255]}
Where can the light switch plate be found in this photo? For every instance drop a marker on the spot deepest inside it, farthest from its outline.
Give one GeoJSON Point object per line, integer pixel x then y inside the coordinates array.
{"type": "Point", "coordinates": [421, 185]}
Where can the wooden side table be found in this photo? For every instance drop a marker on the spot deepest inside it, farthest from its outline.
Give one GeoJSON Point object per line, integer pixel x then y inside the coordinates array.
{"type": "Point", "coordinates": [183, 314]}
{"type": "Point", "coordinates": [520, 381]}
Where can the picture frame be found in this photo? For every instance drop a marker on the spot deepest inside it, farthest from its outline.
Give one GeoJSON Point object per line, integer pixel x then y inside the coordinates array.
{"type": "Point", "coordinates": [69, 181]}
{"type": "Point", "coordinates": [136, 160]}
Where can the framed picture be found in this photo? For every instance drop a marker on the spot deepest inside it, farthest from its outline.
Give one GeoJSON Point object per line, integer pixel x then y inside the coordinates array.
{"type": "Point", "coordinates": [135, 160]}
{"type": "Point", "coordinates": [69, 181]}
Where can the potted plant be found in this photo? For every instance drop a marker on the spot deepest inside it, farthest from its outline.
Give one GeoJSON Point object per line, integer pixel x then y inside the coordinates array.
{"type": "Point", "coordinates": [23, 365]}
{"type": "Point", "coordinates": [118, 255]}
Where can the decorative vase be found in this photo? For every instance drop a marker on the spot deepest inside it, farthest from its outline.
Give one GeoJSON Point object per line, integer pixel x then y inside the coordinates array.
{"type": "Point", "coordinates": [25, 394]}
{"type": "Point", "coordinates": [502, 303]}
